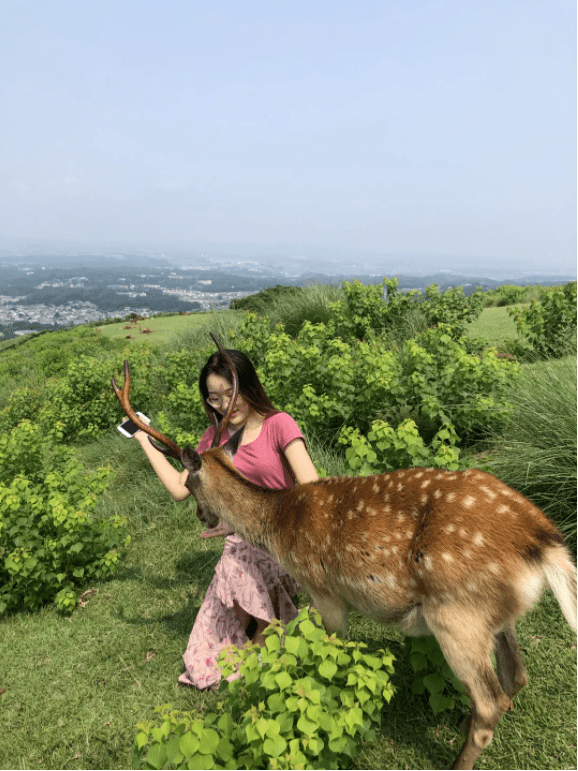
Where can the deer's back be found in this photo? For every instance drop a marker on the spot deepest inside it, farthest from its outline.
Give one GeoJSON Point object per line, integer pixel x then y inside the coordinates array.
{"type": "Point", "coordinates": [410, 534]}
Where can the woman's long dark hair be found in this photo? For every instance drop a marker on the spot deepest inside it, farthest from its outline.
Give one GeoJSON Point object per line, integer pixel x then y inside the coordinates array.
{"type": "Point", "coordinates": [250, 387]}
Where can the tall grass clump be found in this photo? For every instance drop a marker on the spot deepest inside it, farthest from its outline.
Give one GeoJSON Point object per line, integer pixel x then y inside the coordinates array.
{"type": "Point", "coordinates": [312, 304]}
{"type": "Point", "coordinates": [536, 454]}
{"type": "Point", "coordinates": [198, 336]}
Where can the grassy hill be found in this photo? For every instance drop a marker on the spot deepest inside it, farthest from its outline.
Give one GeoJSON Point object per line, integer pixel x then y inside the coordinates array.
{"type": "Point", "coordinates": [73, 688]}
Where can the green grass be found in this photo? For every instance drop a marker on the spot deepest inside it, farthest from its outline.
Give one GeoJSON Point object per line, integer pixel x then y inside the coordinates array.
{"type": "Point", "coordinates": [496, 326]}
{"type": "Point", "coordinates": [75, 688]}
{"type": "Point", "coordinates": [164, 328]}
{"type": "Point", "coordinates": [537, 453]}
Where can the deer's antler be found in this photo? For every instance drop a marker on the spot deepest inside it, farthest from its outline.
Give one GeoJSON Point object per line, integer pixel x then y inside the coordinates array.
{"type": "Point", "coordinates": [231, 406]}
{"type": "Point", "coordinates": [168, 447]}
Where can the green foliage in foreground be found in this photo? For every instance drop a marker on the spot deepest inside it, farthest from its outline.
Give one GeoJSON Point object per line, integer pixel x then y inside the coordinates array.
{"type": "Point", "coordinates": [433, 676]}
{"type": "Point", "coordinates": [49, 540]}
{"type": "Point", "coordinates": [306, 700]}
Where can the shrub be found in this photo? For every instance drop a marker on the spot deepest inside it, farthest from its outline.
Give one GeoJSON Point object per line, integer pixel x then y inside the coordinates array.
{"type": "Point", "coordinates": [433, 676]}
{"type": "Point", "coordinates": [327, 383]}
{"type": "Point", "coordinates": [49, 540]}
{"type": "Point", "coordinates": [549, 326]}
{"type": "Point", "coordinates": [262, 301]}
{"type": "Point", "coordinates": [306, 700]}
{"type": "Point", "coordinates": [385, 449]}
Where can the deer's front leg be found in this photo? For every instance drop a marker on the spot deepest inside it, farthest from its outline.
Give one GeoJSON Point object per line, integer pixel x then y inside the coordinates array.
{"type": "Point", "coordinates": [333, 613]}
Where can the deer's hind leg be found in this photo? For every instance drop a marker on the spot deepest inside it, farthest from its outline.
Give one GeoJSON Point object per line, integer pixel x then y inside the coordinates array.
{"type": "Point", "coordinates": [509, 663]}
{"type": "Point", "coordinates": [467, 645]}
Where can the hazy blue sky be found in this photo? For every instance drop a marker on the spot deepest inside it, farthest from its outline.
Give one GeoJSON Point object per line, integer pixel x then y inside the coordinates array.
{"type": "Point", "coordinates": [398, 126]}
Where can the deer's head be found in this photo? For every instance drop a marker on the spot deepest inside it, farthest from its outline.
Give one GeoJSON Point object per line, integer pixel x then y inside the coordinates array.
{"type": "Point", "coordinates": [162, 442]}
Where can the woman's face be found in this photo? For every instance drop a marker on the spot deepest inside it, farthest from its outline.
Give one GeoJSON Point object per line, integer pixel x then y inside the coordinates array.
{"type": "Point", "coordinates": [220, 392]}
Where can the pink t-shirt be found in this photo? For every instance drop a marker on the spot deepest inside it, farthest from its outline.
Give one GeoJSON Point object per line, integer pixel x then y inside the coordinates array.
{"type": "Point", "coordinates": [260, 460]}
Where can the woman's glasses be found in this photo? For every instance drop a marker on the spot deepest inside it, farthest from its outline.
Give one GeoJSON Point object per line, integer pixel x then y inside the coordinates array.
{"type": "Point", "coordinates": [217, 401]}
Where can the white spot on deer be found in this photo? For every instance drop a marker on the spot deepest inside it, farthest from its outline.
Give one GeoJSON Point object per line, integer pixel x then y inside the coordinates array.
{"type": "Point", "coordinates": [418, 475]}
{"type": "Point", "coordinates": [447, 557]}
{"type": "Point", "coordinates": [469, 501]}
{"type": "Point", "coordinates": [437, 494]}
{"type": "Point", "coordinates": [330, 498]}
{"type": "Point", "coordinates": [494, 568]}
{"type": "Point", "coordinates": [463, 532]}
{"type": "Point", "coordinates": [375, 487]}
{"type": "Point", "coordinates": [399, 487]}
{"type": "Point", "coordinates": [478, 539]}
{"type": "Point", "coordinates": [428, 562]}
{"type": "Point", "coordinates": [387, 508]}
{"type": "Point", "coordinates": [450, 528]}
{"type": "Point", "coordinates": [394, 550]}
{"type": "Point", "coordinates": [408, 534]}
{"type": "Point", "coordinates": [466, 553]}
{"type": "Point", "coordinates": [424, 499]}
{"type": "Point", "coordinates": [490, 493]}
{"type": "Point", "coordinates": [503, 509]}
{"type": "Point", "coordinates": [450, 497]}
{"type": "Point", "coordinates": [425, 483]}
{"type": "Point", "coordinates": [350, 514]}
{"type": "Point", "coordinates": [385, 552]}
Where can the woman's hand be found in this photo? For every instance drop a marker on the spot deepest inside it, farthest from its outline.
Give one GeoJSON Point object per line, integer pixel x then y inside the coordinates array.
{"type": "Point", "coordinates": [219, 531]}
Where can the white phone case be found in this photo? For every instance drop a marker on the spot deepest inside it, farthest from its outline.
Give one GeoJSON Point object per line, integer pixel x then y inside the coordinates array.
{"type": "Point", "coordinates": [126, 433]}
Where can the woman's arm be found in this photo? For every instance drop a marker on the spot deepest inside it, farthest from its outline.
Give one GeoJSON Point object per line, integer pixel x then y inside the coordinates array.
{"type": "Point", "coordinates": [172, 479]}
{"type": "Point", "coordinates": [300, 462]}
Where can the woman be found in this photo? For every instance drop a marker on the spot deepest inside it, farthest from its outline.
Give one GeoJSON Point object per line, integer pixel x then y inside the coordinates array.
{"type": "Point", "coordinates": [249, 589]}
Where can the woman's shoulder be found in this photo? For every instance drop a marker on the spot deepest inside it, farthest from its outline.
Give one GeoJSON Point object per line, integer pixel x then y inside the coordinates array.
{"type": "Point", "coordinates": [282, 425]}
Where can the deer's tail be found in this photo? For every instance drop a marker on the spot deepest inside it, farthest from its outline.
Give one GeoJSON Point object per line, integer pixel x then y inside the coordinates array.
{"type": "Point", "coordinates": [560, 573]}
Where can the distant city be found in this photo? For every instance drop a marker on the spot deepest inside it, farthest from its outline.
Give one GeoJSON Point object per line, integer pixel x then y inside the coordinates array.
{"type": "Point", "coordinates": [56, 290]}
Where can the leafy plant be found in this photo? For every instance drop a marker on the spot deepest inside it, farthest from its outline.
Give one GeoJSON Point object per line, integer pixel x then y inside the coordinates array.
{"type": "Point", "coordinates": [387, 449]}
{"type": "Point", "coordinates": [549, 326]}
{"type": "Point", "coordinates": [306, 700]}
{"type": "Point", "coordinates": [49, 540]}
{"type": "Point", "coordinates": [432, 675]}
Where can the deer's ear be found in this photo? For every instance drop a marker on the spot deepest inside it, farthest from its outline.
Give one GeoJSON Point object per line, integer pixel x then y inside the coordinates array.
{"type": "Point", "coordinates": [232, 444]}
{"type": "Point", "coordinates": [191, 459]}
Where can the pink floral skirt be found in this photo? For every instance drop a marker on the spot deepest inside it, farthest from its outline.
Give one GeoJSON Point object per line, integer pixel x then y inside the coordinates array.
{"type": "Point", "coordinates": [254, 580]}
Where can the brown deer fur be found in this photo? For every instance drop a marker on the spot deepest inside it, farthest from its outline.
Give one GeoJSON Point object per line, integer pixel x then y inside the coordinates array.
{"type": "Point", "coordinates": [459, 555]}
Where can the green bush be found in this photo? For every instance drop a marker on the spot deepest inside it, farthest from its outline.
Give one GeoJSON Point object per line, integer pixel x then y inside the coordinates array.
{"type": "Point", "coordinates": [262, 301]}
{"type": "Point", "coordinates": [549, 326]}
{"type": "Point", "coordinates": [387, 449]}
{"type": "Point", "coordinates": [433, 676]}
{"type": "Point", "coordinates": [49, 540]}
{"type": "Point", "coordinates": [327, 383]}
{"type": "Point", "coordinates": [306, 700]}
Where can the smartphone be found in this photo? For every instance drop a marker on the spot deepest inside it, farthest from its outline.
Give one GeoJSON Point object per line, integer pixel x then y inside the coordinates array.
{"type": "Point", "coordinates": [128, 428]}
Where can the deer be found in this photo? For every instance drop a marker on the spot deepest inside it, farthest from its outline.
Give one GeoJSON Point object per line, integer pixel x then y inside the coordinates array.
{"type": "Point", "coordinates": [458, 555]}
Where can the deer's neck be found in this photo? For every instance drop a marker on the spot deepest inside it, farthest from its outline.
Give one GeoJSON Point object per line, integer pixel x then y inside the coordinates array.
{"type": "Point", "coordinates": [249, 510]}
